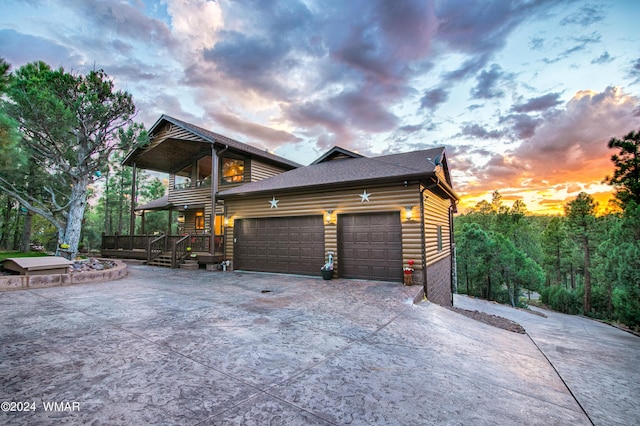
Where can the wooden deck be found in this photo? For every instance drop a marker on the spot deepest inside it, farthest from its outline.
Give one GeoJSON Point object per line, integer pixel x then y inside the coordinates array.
{"type": "Point", "coordinates": [173, 249]}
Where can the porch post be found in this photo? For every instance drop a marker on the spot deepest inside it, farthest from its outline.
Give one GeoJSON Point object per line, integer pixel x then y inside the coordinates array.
{"type": "Point", "coordinates": [132, 220]}
{"type": "Point", "coordinates": [214, 191]}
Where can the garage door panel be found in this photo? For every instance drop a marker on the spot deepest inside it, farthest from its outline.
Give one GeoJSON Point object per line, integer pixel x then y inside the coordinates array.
{"type": "Point", "coordinates": [370, 246]}
{"type": "Point", "coordinates": [287, 244]}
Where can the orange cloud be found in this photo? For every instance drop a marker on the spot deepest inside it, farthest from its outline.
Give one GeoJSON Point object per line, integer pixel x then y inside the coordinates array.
{"type": "Point", "coordinates": [566, 154]}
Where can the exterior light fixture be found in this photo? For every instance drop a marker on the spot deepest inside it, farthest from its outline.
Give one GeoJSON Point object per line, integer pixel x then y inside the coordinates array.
{"type": "Point", "coordinates": [408, 213]}
{"type": "Point", "coordinates": [328, 217]}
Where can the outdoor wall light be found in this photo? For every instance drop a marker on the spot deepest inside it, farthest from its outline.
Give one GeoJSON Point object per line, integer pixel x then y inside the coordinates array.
{"type": "Point", "coordinates": [408, 213]}
{"type": "Point", "coordinates": [328, 217]}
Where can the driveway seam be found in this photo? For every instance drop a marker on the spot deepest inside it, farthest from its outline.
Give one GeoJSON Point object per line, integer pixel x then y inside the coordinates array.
{"type": "Point", "coordinates": [561, 378]}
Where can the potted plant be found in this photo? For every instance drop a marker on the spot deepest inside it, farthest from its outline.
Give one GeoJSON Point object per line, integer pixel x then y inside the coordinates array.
{"type": "Point", "coordinates": [408, 273]}
{"type": "Point", "coordinates": [327, 268]}
{"type": "Point", "coordinates": [327, 271]}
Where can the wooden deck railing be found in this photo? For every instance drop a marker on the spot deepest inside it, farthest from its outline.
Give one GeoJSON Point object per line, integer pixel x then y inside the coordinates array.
{"type": "Point", "coordinates": [151, 246]}
{"type": "Point", "coordinates": [179, 251]}
{"type": "Point", "coordinates": [156, 247]}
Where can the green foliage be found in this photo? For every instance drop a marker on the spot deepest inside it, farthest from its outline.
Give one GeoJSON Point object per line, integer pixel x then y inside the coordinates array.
{"type": "Point", "coordinates": [626, 174]}
{"type": "Point", "coordinates": [492, 249]}
{"type": "Point", "coordinates": [8, 254]}
{"type": "Point", "coordinates": [561, 299]}
{"type": "Point", "coordinates": [70, 126]}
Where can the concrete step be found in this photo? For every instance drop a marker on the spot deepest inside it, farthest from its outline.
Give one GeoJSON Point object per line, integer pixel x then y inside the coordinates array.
{"type": "Point", "coordinates": [191, 265]}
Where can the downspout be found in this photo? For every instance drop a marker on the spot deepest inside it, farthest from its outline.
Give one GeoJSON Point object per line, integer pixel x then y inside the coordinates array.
{"type": "Point", "coordinates": [423, 238]}
{"type": "Point", "coordinates": [214, 190]}
{"type": "Point", "coordinates": [452, 250]}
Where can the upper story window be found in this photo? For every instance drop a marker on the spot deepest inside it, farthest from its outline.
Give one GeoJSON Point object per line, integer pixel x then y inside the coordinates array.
{"type": "Point", "coordinates": [183, 178]}
{"type": "Point", "coordinates": [232, 170]}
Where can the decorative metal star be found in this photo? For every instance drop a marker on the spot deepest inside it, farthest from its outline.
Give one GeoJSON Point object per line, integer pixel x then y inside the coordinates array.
{"type": "Point", "coordinates": [274, 203]}
{"type": "Point", "coordinates": [364, 196]}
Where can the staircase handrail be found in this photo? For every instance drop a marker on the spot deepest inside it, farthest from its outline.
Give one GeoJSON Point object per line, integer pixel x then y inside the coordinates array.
{"type": "Point", "coordinates": [155, 247]}
{"type": "Point", "coordinates": [179, 251]}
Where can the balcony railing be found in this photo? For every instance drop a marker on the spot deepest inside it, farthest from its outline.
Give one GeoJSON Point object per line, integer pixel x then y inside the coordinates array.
{"type": "Point", "coordinates": [204, 183]}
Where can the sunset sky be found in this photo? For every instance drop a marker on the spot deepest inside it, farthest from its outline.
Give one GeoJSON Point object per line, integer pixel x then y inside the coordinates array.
{"type": "Point", "coordinates": [524, 94]}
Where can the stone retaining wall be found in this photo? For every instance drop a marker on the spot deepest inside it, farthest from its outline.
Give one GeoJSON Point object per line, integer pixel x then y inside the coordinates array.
{"type": "Point", "coordinates": [21, 282]}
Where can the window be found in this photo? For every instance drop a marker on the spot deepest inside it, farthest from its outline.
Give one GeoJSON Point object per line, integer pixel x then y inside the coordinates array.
{"type": "Point", "coordinates": [183, 178]}
{"type": "Point", "coordinates": [204, 171]}
{"type": "Point", "coordinates": [232, 170]}
{"type": "Point", "coordinates": [219, 228]}
{"type": "Point", "coordinates": [439, 237]}
{"type": "Point", "coordinates": [199, 221]}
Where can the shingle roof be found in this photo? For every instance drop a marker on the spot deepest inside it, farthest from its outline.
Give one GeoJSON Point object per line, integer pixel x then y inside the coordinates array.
{"type": "Point", "coordinates": [172, 153]}
{"type": "Point", "coordinates": [232, 143]}
{"type": "Point", "coordinates": [416, 164]}
{"type": "Point", "coordinates": [161, 203]}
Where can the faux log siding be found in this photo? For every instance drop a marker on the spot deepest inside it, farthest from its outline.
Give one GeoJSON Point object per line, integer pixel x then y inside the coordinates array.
{"type": "Point", "coordinates": [388, 198]}
{"type": "Point", "coordinates": [436, 212]}
{"type": "Point", "coordinates": [190, 219]}
{"type": "Point", "coordinates": [261, 170]}
{"type": "Point", "coordinates": [174, 132]}
{"type": "Point", "coordinates": [190, 196]}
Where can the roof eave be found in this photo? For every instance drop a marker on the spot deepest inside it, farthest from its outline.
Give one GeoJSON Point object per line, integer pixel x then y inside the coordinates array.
{"type": "Point", "coordinates": [306, 188]}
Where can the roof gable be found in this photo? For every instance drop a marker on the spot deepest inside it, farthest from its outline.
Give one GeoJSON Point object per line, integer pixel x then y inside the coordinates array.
{"type": "Point", "coordinates": [201, 141]}
{"type": "Point", "coordinates": [337, 153]}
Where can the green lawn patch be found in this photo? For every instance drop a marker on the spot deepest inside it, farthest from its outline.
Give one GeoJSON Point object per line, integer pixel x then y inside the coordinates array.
{"type": "Point", "coordinates": [7, 254]}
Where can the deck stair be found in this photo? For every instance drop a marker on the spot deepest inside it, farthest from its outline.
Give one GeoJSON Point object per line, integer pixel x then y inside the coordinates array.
{"type": "Point", "coordinates": [163, 260]}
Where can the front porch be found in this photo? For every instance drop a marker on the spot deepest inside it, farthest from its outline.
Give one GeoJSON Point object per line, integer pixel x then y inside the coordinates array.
{"type": "Point", "coordinates": [164, 250]}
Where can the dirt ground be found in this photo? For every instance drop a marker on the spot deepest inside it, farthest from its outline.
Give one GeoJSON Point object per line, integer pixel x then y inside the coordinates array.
{"type": "Point", "coordinates": [490, 319]}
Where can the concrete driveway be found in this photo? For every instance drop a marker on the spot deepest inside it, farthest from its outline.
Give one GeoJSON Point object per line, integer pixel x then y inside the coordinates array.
{"type": "Point", "coordinates": [599, 364]}
{"type": "Point", "coordinates": [194, 347]}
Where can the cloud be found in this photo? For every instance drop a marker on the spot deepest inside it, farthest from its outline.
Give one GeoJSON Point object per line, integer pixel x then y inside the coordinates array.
{"type": "Point", "coordinates": [605, 58]}
{"type": "Point", "coordinates": [40, 49]}
{"type": "Point", "coordinates": [634, 70]}
{"type": "Point", "coordinates": [272, 42]}
{"type": "Point", "coordinates": [567, 146]}
{"type": "Point", "coordinates": [587, 15]}
{"type": "Point", "coordinates": [195, 22]}
{"type": "Point", "coordinates": [581, 44]}
{"type": "Point", "coordinates": [480, 29]}
{"type": "Point", "coordinates": [271, 137]}
{"type": "Point", "coordinates": [540, 103]}
{"type": "Point", "coordinates": [488, 83]}
{"type": "Point", "coordinates": [121, 18]}
{"type": "Point", "coordinates": [478, 132]}
{"type": "Point", "coordinates": [433, 98]}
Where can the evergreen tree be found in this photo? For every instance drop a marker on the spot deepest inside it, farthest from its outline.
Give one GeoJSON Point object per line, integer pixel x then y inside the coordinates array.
{"type": "Point", "coordinates": [580, 215]}
{"type": "Point", "coordinates": [70, 125]}
{"type": "Point", "coordinates": [626, 175]}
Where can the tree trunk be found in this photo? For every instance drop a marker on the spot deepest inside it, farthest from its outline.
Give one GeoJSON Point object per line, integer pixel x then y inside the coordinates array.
{"type": "Point", "coordinates": [25, 239]}
{"type": "Point", "coordinates": [587, 276]}
{"type": "Point", "coordinates": [558, 264]}
{"type": "Point", "coordinates": [488, 286]}
{"type": "Point", "coordinates": [6, 224]}
{"type": "Point", "coordinates": [16, 232]}
{"type": "Point", "coordinates": [76, 214]}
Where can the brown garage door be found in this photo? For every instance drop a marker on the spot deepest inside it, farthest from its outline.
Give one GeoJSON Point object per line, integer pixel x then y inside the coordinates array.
{"type": "Point", "coordinates": [370, 246]}
{"type": "Point", "coordinates": [292, 245]}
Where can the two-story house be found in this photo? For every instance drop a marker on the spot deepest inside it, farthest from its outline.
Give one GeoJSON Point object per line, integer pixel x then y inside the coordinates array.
{"type": "Point", "coordinates": [375, 216]}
